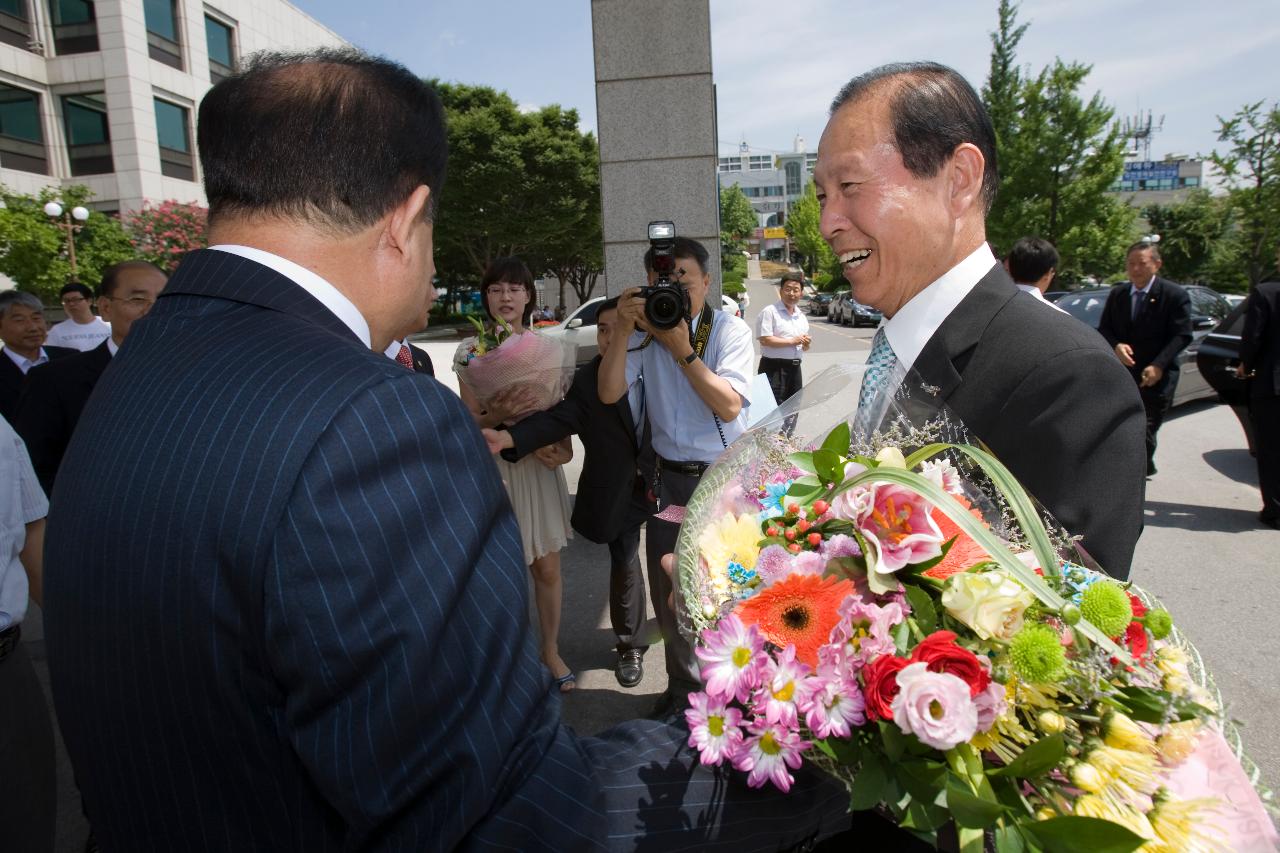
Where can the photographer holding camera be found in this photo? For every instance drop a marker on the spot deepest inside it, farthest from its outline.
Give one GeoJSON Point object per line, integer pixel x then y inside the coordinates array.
{"type": "Point", "coordinates": [695, 366]}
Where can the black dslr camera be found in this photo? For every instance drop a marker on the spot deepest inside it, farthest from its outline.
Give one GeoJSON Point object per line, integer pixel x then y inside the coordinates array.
{"type": "Point", "coordinates": [665, 302]}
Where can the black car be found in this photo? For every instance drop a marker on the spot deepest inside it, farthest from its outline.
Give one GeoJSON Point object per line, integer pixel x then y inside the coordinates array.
{"type": "Point", "coordinates": [819, 304]}
{"type": "Point", "coordinates": [1217, 358]}
{"type": "Point", "coordinates": [1207, 309]}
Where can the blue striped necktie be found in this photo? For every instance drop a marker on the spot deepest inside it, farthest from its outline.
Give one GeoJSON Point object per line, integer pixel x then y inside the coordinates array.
{"type": "Point", "coordinates": [880, 365]}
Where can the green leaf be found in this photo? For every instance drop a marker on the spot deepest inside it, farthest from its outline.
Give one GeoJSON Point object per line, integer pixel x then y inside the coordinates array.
{"type": "Point", "coordinates": [804, 461]}
{"type": "Point", "coordinates": [1083, 835]}
{"type": "Point", "coordinates": [902, 637]}
{"type": "Point", "coordinates": [1148, 705]}
{"type": "Point", "coordinates": [893, 740]}
{"type": "Point", "coordinates": [922, 779]}
{"type": "Point", "coordinates": [926, 615]}
{"type": "Point", "coordinates": [837, 441]}
{"type": "Point", "coordinates": [1009, 840]}
{"type": "Point", "coordinates": [845, 752]}
{"type": "Point", "coordinates": [828, 465]}
{"type": "Point", "coordinates": [1036, 760]}
{"type": "Point", "coordinates": [968, 809]}
{"type": "Point", "coordinates": [868, 786]}
{"type": "Point", "coordinates": [925, 817]}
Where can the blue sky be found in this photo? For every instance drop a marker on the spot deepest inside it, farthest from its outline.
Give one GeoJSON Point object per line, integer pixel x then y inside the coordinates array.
{"type": "Point", "coordinates": [777, 65]}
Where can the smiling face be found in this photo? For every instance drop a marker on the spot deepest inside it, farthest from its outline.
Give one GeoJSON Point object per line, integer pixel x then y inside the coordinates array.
{"type": "Point", "coordinates": [23, 330]}
{"type": "Point", "coordinates": [1141, 266]}
{"type": "Point", "coordinates": [894, 232]}
{"type": "Point", "coordinates": [790, 292]}
{"type": "Point", "coordinates": [507, 301]}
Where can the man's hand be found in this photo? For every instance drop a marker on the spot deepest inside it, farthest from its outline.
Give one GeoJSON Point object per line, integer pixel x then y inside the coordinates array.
{"type": "Point", "coordinates": [498, 440]}
{"type": "Point", "coordinates": [554, 455]}
{"type": "Point", "coordinates": [1150, 376]}
{"type": "Point", "coordinates": [1125, 353]}
{"type": "Point", "coordinates": [511, 403]}
{"type": "Point", "coordinates": [803, 341]}
{"type": "Point", "coordinates": [630, 313]}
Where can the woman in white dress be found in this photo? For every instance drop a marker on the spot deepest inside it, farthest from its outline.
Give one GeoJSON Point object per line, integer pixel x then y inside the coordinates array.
{"type": "Point", "coordinates": [536, 484]}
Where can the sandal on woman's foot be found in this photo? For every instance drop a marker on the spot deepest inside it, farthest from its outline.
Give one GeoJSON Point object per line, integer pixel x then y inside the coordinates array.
{"type": "Point", "coordinates": [567, 682]}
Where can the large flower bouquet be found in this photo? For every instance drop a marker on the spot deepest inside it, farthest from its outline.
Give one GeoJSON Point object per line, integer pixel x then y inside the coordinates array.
{"type": "Point", "coordinates": [896, 609]}
{"type": "Point", "coordinates": [497, 360]}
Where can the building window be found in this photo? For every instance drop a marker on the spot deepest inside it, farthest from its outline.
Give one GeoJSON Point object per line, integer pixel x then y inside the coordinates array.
{"type": "Point", "coordinates": [793, 178]}
{"type": "Point", "coordinates": [163, 42]}
{"type": "Point", "coordinates": [88, 138]}
{"type": "Point", "coordinates": [15, 23]}
{"type": "Point", "coordinates": [175, 141]}
{"type": "Point", "coordinates": [75, 29]}
{"type": "Point", "coordinates": [1190, 182]}
{"type": "Point", "coordinates": [21, 139]}
{"type": "Point", "coordinates": [222, 48]}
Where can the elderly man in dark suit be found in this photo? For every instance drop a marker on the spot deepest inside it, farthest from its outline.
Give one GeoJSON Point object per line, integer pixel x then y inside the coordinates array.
{"type": "Point", "coordinates": [1148, 322]}
{"type": "Point", "coordinates": [23, 330]}
{"type": "Point", "coordinates": [56, 392]}
{"type": "Point", "coordinates": [906, 173]}
{"type": "Point", "coordinates": [308, 629]}
{"type": "Point", "coordinates": [1260, 362]}
{"type": "Point", "coordinates": [613, 499]}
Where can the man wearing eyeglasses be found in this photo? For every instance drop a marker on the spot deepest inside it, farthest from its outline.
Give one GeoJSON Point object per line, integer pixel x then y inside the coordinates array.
{"type": "Point", "coordinates": [81, 330]}
{"type": "Point", "coordinates": [56, 392]}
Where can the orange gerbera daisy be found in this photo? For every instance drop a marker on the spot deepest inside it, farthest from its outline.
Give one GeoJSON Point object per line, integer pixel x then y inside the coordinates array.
{"type": "Point", "coordinates": [964, 553]}
{"type": "Point", "coordinates": [800, 609]}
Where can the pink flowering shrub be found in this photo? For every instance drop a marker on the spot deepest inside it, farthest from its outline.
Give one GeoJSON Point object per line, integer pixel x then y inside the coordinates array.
{"type": "Point", "coordinates": [164, 233]}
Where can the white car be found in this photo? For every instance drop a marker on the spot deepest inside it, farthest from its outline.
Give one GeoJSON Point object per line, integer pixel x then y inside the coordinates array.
{"type": "Point", "coordinates": [579, 327]}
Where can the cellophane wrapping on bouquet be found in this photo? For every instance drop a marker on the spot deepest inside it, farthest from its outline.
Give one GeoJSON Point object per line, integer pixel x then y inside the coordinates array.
{"type": "Point", "coordinates": [530, 360]}
{"type": "Point", "coordinates": [895, 608]}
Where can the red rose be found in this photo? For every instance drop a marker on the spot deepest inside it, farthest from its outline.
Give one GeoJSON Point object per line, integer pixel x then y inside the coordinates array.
{"type": "Point", "coordinates": [941, 654]}
{"type": "Point", "coordinates": [1136, 639]}
{"type": "Point", "coordinates": [1139, 609]}
{"type": "Point", "coordinates": [880, 685]}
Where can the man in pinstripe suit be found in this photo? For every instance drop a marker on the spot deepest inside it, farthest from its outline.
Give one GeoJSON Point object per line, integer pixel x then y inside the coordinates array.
{"type": "Point", "coordinates": [306, 628]}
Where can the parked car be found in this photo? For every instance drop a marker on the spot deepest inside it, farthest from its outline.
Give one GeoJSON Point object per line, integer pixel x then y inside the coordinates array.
{"type": "Point", "coordinates": [861, 315]}
{"type": "Point", "coordinates": [1234, 298]}
{"type": "Point", "coordinates": [819, 304]}
{"type": "Point", "coordinates": [835, 311]}
{"type": "Point", "coordinates": [1207, 309]}
{"type": "Point", "coordinates": [579, 329]}
{"type": "Point", "coordinates": [1217, 357]}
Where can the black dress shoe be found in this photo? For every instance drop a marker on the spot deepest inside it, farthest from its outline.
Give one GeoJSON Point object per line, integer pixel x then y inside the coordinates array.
{"type": "Point", "coordinates": [630, 668]}
{"type": "Point", "coordinates": [1269, 520]}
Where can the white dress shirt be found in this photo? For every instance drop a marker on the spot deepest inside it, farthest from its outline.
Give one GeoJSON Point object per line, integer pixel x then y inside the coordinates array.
{"type": "Point", "coordinates": [22, 501]}
{"type": "Point", "coordinates": [681, 425]}
{"type": "Point", "coordinates": [328, 295]}
{"type": "Point", "coordinates": [914, 324]}
{"type": "Point", "coordinates": [776, 321]}
{"type": "Point", "coordinates": [1034, 292]}
{"type": "Point", "coordinates": [24, 363]}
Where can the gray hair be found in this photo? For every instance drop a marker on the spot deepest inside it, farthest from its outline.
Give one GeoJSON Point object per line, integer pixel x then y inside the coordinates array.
{"type": "Point", "coordinates": [19, 297]}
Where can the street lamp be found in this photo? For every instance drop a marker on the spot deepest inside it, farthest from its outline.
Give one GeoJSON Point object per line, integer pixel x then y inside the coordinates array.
{"type": "Point", "coordinates": [68, 221]}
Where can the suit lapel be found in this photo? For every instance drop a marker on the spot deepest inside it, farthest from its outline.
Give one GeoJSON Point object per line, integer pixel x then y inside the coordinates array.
{"type": "Point", "coordinates": [940, 366]}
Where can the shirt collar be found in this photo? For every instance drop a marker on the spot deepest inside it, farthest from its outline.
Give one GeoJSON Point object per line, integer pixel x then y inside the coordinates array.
{"type": "Point", "coordinates": [112, 347]}
{"type": "Point", "coordinates": [1146, 287]}
{"type": "Point", "coordinates": [24, 363]}
{"type": "Point", "coordinates": [914, 324]}
{"type": "Point", "coordinates": [782, 309]}
{"type": "Point", "coordinates": [328, 295]}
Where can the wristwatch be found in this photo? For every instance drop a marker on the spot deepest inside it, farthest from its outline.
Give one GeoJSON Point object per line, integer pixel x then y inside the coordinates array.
{"type": "Point", "coordinates": [688, 359]}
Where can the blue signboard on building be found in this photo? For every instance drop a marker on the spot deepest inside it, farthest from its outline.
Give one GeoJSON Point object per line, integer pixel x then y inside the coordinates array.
{"type": "Point", "coordinates": [1148, 170]}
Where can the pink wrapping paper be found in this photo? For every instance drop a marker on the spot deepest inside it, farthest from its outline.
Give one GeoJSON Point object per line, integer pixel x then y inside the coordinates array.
{"type": "Point", "coordinates": [1213, 771]}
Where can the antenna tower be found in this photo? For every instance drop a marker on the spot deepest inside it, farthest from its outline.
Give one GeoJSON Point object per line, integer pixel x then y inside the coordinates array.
{"type": "Point", "coordinates": [1140, 129]}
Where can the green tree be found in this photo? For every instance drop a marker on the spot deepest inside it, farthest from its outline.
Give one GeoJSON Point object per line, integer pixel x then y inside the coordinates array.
{"type": "Point", "coordinates": [1251, 166]}
{"type": "Point", "coordinates": [806, 237]}
{"type": "Point", "coordinates": [1191, 235]}
{"type": "Point", "coordinates": [1058, 157]}
{"type": "Point", "coordinates": [737, 217]}
{"type": "Point", "coordinates": [33, 249]}
{"type": "Point", "coordinates": [519, 183]}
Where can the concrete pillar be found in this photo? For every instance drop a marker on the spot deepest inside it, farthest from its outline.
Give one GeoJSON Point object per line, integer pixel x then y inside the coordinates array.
{"type": "Point", "coordinates": [655, 113]}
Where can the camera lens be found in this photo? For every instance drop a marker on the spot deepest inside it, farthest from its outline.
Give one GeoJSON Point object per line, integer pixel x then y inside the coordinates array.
{"type": "Point", "coordinates": [664, 307]}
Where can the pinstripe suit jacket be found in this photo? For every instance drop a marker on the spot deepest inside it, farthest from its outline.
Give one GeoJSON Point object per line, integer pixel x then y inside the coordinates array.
{"type": "Point", "coordinates": [305, 625]}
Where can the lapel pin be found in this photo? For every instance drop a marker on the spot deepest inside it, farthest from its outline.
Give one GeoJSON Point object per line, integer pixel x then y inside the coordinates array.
{"type": "Point", "coordinates": [931, 390]}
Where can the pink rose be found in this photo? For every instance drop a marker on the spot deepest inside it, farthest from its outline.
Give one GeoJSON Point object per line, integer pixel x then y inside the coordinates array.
{"type": "Point", "coordinates": [935, 707]}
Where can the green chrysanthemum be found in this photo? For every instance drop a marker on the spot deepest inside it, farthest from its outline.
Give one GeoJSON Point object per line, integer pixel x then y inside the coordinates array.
{"type": "Point", "coordinates": [1159, 623]}
{"type": "Point", "coordinates": [1106, 605]}
{"type": "Point", "coordinates": [1036, 654]}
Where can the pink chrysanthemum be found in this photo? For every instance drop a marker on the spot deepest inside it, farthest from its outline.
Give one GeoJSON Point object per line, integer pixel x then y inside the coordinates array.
{"type": "Point", "coordinates": [863, 631]}
{"type": "Point", "coordinates": [733, 657]}
{"type": "Point", "coordinates": [831, 703]}
{"type": "Point", "coordinates": [838, 546]}
{"type": "Point", "coordinates": [767, 753]}
{"type": "Point", "coordinates": [776, 563]}
{"type": "Point", "coordinates": [715, 729]}
{"type": "Point", "coordinates": [776, 699]}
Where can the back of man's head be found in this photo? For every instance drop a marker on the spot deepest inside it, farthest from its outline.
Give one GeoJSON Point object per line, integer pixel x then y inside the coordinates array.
{"type": "Point", "coordinates": [333, 138]}
{"type": "Point", "coordinates": [934, 110]}
{"type": "Point", "coordinates": [114, 275]}
{"type": "Point", "coordinates": [1031, 259]}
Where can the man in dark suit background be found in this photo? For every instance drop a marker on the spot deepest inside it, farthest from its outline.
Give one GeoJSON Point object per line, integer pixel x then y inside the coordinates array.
{"type": "Point", "coordinates": [23, 330]}
{"type": "Point", "coordinates": [1260, 362]}
{"type": "Point", "coordinates": [1148, 322]}
{"type": "Point", "coordinates": [309, 628]}
{"type": "Point", "coordinates": [612, 501]}
{"type": "Point", "coordinates": [56, 392]}
{"type": "Point", "coordinates": [906, 173]}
